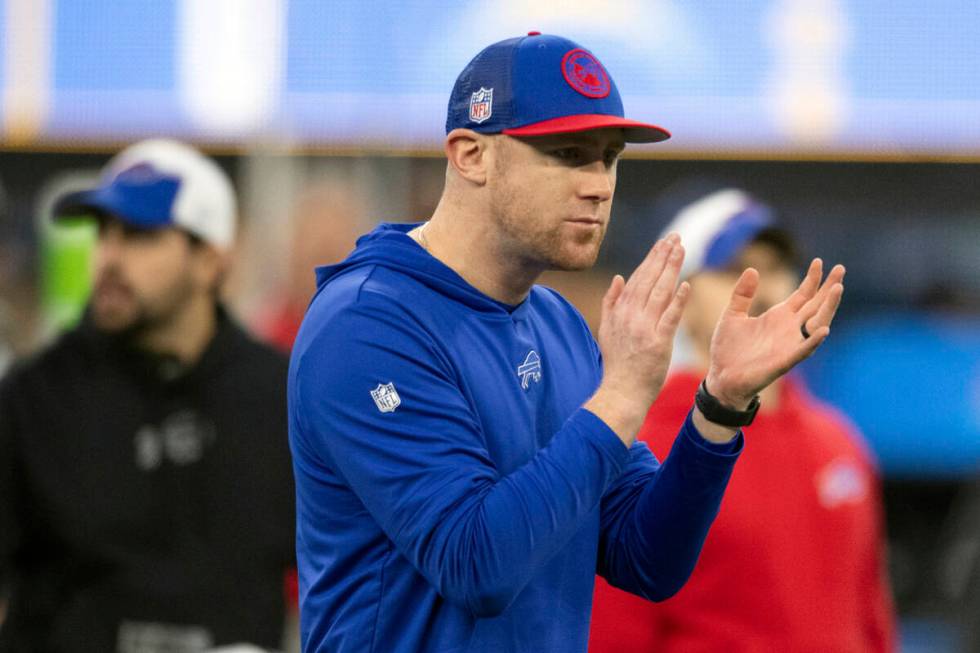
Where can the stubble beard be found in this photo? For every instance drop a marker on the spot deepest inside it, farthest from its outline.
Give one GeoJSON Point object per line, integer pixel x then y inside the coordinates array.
{"type": "Point", "coordinates": [569, 262]}
{"type": "Point", "coordinates": [142, 317]}
{"type": "Point", "coordinates": [547, 246]}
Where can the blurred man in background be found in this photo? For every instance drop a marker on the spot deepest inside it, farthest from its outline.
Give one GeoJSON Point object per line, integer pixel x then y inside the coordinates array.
{"type": "Point", "coordinates": [795, 560]}
{"type": "Point", "coordinates": [144, 471]}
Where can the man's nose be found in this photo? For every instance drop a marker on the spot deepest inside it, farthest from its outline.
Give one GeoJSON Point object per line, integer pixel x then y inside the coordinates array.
{"type": "Point", "coordinates": [597, 182]}
{"type": "Point", "coordinates": [109, 244]}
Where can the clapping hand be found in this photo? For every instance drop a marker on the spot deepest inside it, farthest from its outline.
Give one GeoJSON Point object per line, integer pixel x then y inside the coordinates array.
{"type": "Point", "coordinates": [636, 336]}
{"type": "Point", "coordinates": [748, 353]}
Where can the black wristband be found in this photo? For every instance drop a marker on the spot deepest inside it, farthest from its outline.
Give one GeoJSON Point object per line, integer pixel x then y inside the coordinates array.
{"type": "Point", "coordinates": [718, 413]}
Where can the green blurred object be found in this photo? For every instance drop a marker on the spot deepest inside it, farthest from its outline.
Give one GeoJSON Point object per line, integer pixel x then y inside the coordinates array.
{"type": "Point", "coordinates": [67, 246]}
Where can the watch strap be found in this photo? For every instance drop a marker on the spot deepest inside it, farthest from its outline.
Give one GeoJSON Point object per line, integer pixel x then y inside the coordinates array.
{"type": "Point", "coordinates": [715, 411]}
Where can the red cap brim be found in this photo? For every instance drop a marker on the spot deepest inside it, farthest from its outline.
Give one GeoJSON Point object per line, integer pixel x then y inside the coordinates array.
{"type": "Point", "coordinates": [634, 132]}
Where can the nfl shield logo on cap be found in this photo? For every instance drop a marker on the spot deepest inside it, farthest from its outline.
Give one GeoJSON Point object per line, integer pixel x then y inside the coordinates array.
{"type": "Point", "coordinates": [481, 105]}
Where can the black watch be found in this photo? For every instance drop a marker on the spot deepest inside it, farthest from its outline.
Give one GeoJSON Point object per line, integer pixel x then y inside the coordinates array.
{"type": "Point", "coordinates": [718, 413]}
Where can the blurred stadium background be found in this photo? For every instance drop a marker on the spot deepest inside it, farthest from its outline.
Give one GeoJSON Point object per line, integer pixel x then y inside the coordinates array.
{"type": "Point", "coordinates": [858, 120]}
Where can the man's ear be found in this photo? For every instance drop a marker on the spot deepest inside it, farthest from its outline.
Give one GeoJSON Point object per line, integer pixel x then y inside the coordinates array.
{"type": "Point", "coordinates": [468, 153]}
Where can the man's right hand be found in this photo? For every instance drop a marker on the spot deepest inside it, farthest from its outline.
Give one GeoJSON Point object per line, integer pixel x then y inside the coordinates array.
{"type": "Point", "coordinates": [636, 338]}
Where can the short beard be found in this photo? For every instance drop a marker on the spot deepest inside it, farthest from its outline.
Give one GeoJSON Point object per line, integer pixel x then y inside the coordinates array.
{"type": "Point", "coordinates": [542, 248]}
{"type": "Point", "coordinates": [130, 331]}
{"type": "Point", "coordinates": [147, 319]}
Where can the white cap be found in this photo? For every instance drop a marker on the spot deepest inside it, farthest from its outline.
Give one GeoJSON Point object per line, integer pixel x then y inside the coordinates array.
{"type": "Point", "coordinates": [715, 228]}
{"type": "Point", "coordinates": [159, 183]}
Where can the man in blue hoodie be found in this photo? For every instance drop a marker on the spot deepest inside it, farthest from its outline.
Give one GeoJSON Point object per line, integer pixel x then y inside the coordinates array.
{"type": "Point", "coordinates": [463, 449]}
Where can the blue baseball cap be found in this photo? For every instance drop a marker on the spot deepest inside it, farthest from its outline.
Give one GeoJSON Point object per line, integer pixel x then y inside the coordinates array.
{"type": "Point", "coordinates": [158, 183]}
{"type": "Point", "coordinates": [540, 84]}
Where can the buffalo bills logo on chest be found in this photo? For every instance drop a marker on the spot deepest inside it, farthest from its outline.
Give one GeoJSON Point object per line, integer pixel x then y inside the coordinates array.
{"type": "Point", "coordinates": [585, 74]}
{"type": "Point", "coordinates": [481, 105]}
{"type": "Point", "coordinates": [530, 369]}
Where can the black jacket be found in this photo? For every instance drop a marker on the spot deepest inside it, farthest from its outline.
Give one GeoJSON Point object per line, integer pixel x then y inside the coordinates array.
{"type": "Point", "coordinates": [142, 507]}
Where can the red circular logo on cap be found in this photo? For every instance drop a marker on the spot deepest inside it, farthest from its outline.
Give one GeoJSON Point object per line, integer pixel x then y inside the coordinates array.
{"type": "Point", "coordinates": [585, 74]}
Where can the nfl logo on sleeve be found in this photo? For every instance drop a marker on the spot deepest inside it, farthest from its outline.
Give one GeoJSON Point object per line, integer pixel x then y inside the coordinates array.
{"type": "Point", "coordinates": [481, 105]}
{"type": "Point", "coordinates": [386, 397]}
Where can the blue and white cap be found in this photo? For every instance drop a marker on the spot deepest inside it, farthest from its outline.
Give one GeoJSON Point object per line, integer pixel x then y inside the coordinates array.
{"type": "Point", "coordinates": [540, 84]}
{"type": "Point", "coordinates": [716, 228]}
{"type": "Point", "coordinates": [161, 183]}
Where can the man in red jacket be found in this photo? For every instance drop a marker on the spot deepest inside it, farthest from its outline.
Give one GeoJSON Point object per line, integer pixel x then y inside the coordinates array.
{"type": "Point", "coordinates": [795, 560]}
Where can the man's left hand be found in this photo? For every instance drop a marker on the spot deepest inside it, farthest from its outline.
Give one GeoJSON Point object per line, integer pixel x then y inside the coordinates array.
{"type": "Point", "coordinates": [748, 353]}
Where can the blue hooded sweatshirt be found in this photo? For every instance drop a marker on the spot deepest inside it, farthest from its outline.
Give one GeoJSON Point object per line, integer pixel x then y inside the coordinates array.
{"type": "Point", "coordinates": [452, 493]}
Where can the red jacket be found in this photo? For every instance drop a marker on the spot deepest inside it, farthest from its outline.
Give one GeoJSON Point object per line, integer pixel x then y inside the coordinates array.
{"type": "Point", "coordinates": [795, 560]}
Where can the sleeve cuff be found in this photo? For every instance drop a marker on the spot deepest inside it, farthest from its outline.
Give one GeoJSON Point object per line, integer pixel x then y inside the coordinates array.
{"type": "Point", "coordinates": [728, 449]}
{"type": "Point", "coordinates": [602, 436]}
